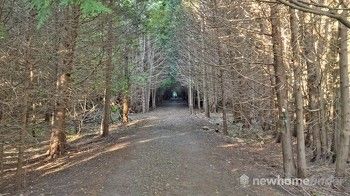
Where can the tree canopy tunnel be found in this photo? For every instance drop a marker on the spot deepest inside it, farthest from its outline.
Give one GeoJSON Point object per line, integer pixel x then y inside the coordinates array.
{"type": "Point", "coordinates": [171, 91]}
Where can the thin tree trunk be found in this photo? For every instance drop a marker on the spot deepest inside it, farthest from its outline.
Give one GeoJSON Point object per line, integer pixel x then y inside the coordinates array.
{"type": "Point", "coordinates": [2, 141]}
{"type": "Point", "coordinates": [198, 97]}
{"type": "Point", "coordinates": [144, 65]}
{"type": "Point", "coordinates": [214, 92]}
{"type": "Point", "coordinates": [190, 85]}
{"type": "Point", "coordinates": [297, 69]}
{"type": "Point", "coordinates": [126, 96]}
{"type": "Point", "coordinates": [321, 47]}
{"type": "Point", "coordinates": [336, 110]}
{"type": "Point", "coordinates": [323, 130]}
{"type": "Point", "coordinates": [205, 93]}
{"type": "Point", "coordinates": [1, 155]}
{"type": "Point", "coordinates": [126, 104]}
{"type": "Point", "coordinates": [154, 95]}
{"type": "Point", "coordinates": [223, 96]}
{"type": "Point", "coordinates": [205, 76]}
{"type": "Point", "coordinates": [313, 84]}
{"type": "Point", "coordinates": [28, 75]}
{"type": "Point", "coordinates": [51, 113]}
{"type": "Point", "coordinates": [281, 92]}
{"type": "Point", "coordinates": [106, 118]}
{"type": "Point", "coordinates": [343, 151]}
{"type": "Point", "coordinates": [23, 131]}
{"type": "Point", "coordinates": [150, 74]}
{"type": "Point", "coordinates": [190, 98]}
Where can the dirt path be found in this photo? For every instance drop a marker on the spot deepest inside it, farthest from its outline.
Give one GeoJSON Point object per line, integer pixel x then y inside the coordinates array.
{"type": "Point", "coordinates": [168, 154]}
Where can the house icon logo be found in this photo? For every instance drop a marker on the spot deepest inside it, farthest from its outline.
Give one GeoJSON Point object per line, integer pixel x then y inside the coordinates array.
{"type": "Point", "coordinates": [244, 180]}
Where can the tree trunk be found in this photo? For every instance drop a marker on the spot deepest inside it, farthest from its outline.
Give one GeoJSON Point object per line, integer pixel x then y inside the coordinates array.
{"type": "Point", "coordinates": [313, 85]}
{"type": "Point", "coordinates": [190, 98]}
{"type": "Point", "coordinates": [126, 96]}
{"type": "Point", "coordinates": [198, 97]}
{"type": "Point", "coordinates": [106, 118]}
{"type": "Point", "coordinates": [205, 76]}
{"type": "Point", "coordinates": [150, 74]}
{"type": "Point", "coordinates": [343, 151]}
{"type": "Point", "coordinates": [69, 32]}
{"type": "Point", "coordinates": [336, 104]}
{"type": "Point", "coordinates": [323, 130]}
{"type": "Point", "coordinates": [126, 106]}
{"type": "Point", "coordinates": [205, 93]}
{"type": "Point", "coordinates": [281, 92]}
{"type": "Point", "coordinates": [154, 95]}
{"type": "Point", "coordinates": [298, 94]}
{"type": "Point", "coordinates": [28, 75]}
{"type": "Point", "coordinates": [223, 96]}
{"type": "Point", "coordinates": [1, 155]}
{"type": "Point", "coordinates": [144, 65]}
{"type": "Point", "coordinates": [214, 99]}
{"type": "Point", "coordinates": [23, 131]}
{"type": "Point", "coordinates": [334, 89]}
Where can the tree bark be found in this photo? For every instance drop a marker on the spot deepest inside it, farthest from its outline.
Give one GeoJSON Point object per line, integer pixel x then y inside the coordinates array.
{"type": "Point", "coordinates": [198, 97]}
{"type": "Point", "coordinates": [28, 75]}
{"type": "Point", "coordinates": [205, 76]}
{"type": "Point", "coordinates": [69, 32]}
{"type": "Point", "coordinates": [106, 118]}
{"type": "Point", "coordinates": [214, 99]}
{"type": "Point", "coordinates": [154, 95]}
{"type": "Point", "coordinates": [224, 108]}
{"type": "Point", "coordinates": [281, 92]}
{"type": "Point", "coordinates": [313, 85]}
{"type": "Point", "coordinates": [1, 155]}
{"type": "Point", "coordinates": [343, 151]}
{"type": "Point", "coordinates": [298, 94]}
{"type": "Point", "coordinates": [150, 74]}
{"type": "Point", "coordinates": [190, 96]}
{"type": "Point", "coordinates": [205, 93]}
{"type": "Point", "coordinates": [126, 96]}
{"type": "Point", "coordinates": [144, 65]}
{"type": "Point", "coordinates": [190, 85]}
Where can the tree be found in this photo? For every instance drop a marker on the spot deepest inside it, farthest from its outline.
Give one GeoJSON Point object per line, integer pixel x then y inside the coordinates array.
{"type": "Point", "coordinates": [106, 118]}
{"type": "Point", "coordinates": [281, 92]}
{"type": "Point", "coordinates": [316, 8]}
{"type": "Point", "coordinates": [69, 33]}
{"type": "Point", "coordinates": [298, 94]}
{"type": "Point", "coordinates": [343, 152]}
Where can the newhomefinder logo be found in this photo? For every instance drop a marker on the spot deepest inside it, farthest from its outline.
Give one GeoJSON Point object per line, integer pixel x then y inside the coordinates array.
{"type": "Point", "coordinates": [245, 181]}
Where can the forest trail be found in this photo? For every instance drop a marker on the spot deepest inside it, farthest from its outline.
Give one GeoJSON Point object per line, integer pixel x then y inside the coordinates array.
{"type": "Point", "coordinates": [167, 154]}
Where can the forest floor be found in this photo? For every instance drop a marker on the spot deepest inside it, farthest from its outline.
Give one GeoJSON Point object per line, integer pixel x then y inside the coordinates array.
{"type": "Point", "coordinates": [163, 152]}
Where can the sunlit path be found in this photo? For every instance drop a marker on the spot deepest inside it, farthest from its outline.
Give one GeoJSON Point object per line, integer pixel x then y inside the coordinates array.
{"type": "Point", "coordinates": [167, 155]}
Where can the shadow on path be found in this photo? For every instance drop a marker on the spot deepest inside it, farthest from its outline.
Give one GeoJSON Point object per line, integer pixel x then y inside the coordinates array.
{"type": "Point", "coordinates": [164, 152]}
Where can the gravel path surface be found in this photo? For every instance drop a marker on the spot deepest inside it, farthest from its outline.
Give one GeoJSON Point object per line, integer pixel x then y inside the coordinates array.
{"type": "Point", "coordinates": [167, 154]}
